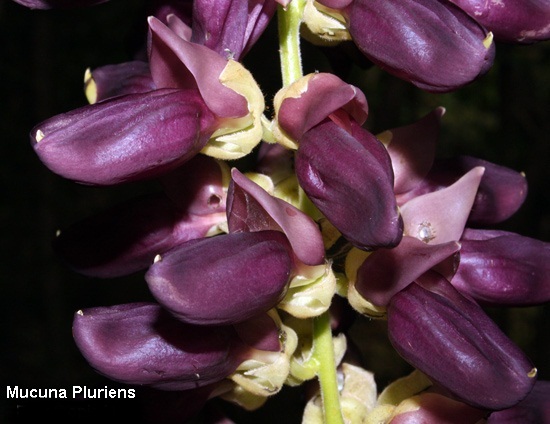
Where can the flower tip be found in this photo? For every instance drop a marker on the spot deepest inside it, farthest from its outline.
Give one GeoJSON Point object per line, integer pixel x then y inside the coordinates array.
{"type": "Point", "coordinates": [488, 40]}
{"type": "Point", "coordinates": [533, 373]}
{"type": "Point", "coordinates": [90, 87]}
{"type": "Point", "coordinates": [39, 135]}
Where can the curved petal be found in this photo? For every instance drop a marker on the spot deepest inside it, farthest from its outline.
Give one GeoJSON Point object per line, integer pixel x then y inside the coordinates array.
{"type": "Point", "coordinates": [387, 271]}
{"type": "Point", "coordinates": [117, 80]}
{"type": "Point", "coordinates": [177, 63]}
{"type": "Point", "coordinates": [440, 216]}
{"type": "Point", "coordinates": [412, 150]}
{"type": "Point", "coordinates": [251, 208]}
{"type": "Point", "coordinates": [126, 138]}
{"type": "Point", "coordinates": [504, 269]}
{"type": "Point", "coordinates": [312, 99]}
{"type": "Point", "coordinates": [452, 340]}
{"type": "Point", "coordinates": [224, 279]}
{"type": "Point", "coordinates": [431, 43]}
{"type": "Point", "coordinates": [349, 178]}
{"type": "Point", "coordinates": [141, 344]}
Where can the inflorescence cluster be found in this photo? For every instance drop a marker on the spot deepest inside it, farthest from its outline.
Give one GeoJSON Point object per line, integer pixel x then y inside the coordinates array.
{"type": "Point", "coordinates": [255, 271]}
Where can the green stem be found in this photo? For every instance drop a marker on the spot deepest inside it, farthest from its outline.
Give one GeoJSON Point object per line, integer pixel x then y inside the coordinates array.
{"type": "Point", "coordinates": [323, 352]}
{"type": "Point", "coordinates": [289, 21]}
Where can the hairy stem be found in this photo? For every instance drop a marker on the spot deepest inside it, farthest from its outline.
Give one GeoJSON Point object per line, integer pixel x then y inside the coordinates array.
{"type": "Point", "coordinates": [289, 20]}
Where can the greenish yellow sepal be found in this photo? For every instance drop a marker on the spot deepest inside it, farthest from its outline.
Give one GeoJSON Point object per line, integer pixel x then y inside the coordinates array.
{"type": "Point", "coordinates": [403, 388]}
{"type": "Point", "coordinates": [310, 291]}
{"type": "Point", "coordinates": [266, 372]}
{"type": "Point", "coordinates": [236, 137]}
{"type": "Point", "coordinates": [326, 24]}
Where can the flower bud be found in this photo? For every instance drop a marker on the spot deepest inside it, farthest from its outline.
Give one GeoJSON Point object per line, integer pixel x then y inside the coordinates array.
{"type": "Point", "coordinates": [224, 279]}
{"type": "Point", "coordinates": [451, 339]}
{"type": "Point", "coordinates": [348, 176]}
{"type": "Point", "coordinates": [503, 268]}
{"type": "Point", "coordinates": [142, 344]}
{"type": "Point", "coordinates": [516, 21]}
{"type": "Point", "coordinates": [431, 43]}
{"type": "Point", "coordinates": [126, 138]}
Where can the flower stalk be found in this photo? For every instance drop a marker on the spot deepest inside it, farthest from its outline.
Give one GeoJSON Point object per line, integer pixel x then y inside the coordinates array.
{"type": "Point", "coordinates": [289, 21]}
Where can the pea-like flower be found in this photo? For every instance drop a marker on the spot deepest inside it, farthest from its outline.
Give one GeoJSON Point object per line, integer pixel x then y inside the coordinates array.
{"type": "Point", "coordinates": [503, 268]}
{"type": "Point", "coordinates": [431, 43]}
{"type": "Point", "coordinates": [453, 341]}
{"type": "Point", "coordinates": [144, 135]}
{"type": "Point", "coordinates": [515, 21]}
{"type": "Point", "coordinates": [344, 169]}
{"type": "Point", "coordinates": [224, 279]}
{"type": "Point", "coordinates": [142, 344]}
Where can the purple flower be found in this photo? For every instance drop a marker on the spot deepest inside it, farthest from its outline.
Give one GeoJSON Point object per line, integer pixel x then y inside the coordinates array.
{"type": "Point", "coordinates": [452, 340]}
{"type": "Point", "coordinates": [144, 135]}
{"type": "Point", "coordinates": [344, 170]}
{"type": "Point", "coordinates": [516, 21]}
{"type": "Point", "coordinates": [431, 43]}
{"type": "Point", "coordinates": [224, 279]}
{"type": "Point", "coordinates": [503, 268]}
{"type": "Point", "coordinates": [141, 344]}
{"type": "Point", "coordinates": [125, 138]}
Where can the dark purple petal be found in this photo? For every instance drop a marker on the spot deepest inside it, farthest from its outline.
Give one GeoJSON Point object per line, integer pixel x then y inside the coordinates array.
{"type": "Point", "coordinates": [534, 409]}
{"type": "Point", "coordinates": [224, 279]}
{"type": "Point", "coordinates": [431, 43]}
{"type": "Point", "coordinates": [387, 271]}
{"type": "Point", "coordinates": [350, 179]}
{"type": "Point", "coordinates": [230, 27]}
{"type": "Point", "coordinates": [503, 269]}
{"type": "Point", "coordinates": [251, 208]}
{"type": "Point", "coordinates": [517, 21]}
{"type": "Point", "coordinates": [453, 341]}
{"type": "Point", "coordinates": [125, 138]}
{"type": "Point", "coordinates": [58, 4]}
{"type": "Point", "coordinates": [126, 238]}
{"type": "Point", "coordinates": [117, 80]}
{"type": "Point", "coordinates": [141, 344]}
